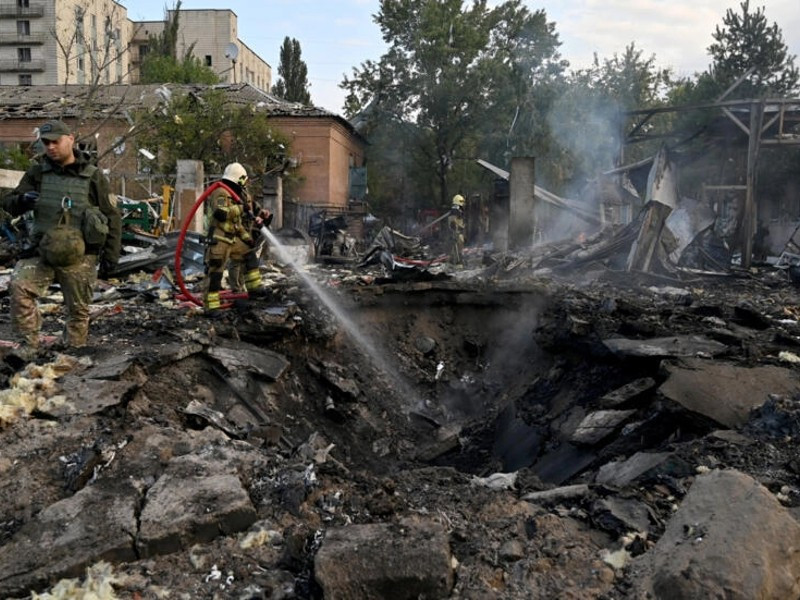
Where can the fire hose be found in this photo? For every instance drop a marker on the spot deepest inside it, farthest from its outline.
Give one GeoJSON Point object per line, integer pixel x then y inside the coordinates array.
{"type": "Point", "coordinates": [179, 248]}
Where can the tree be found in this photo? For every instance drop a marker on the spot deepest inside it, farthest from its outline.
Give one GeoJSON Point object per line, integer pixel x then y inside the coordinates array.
{"type": "Point", "coordinates": [449, 69]}
{"type": "Point", "coordinates": [163, 65]}
{"type": "Point", "coordinates": [747, 40]}
{"type": "Point", "coordinates": [293, 86]}
{"type": "Point", "coordinates": [202, 126]}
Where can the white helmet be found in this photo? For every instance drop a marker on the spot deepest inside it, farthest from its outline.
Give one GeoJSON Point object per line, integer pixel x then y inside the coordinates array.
{"type": "Point", "coordinates": [236, 173]}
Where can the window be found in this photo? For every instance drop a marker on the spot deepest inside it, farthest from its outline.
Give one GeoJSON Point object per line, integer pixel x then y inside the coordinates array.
{"type": "Point", "coordinates": [208, 60]}
{"type": "Point", "coordinates": [81, 64]}
{"type": "Point", "coordinates": [143, 50]}
{"type": "Point", "coordinates": [24, 54]}
{"type": "Point", "coordinates": [23, 27]}
{"type": "Point", "coordinates": [23, 4]}
{"type": "Point", "coordinates": [25, 79]}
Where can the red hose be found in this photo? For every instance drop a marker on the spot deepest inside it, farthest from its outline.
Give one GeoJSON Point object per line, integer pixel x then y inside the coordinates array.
{"type": "Point", "coordinates": [182, 237]}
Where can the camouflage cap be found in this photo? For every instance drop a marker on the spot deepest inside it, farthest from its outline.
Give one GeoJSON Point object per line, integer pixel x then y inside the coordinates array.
{"type": "Point", "coordinates": [52, 130]}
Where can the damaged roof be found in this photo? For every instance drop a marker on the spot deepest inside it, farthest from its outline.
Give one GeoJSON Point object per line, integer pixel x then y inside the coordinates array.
{"type": "Point", "coordinates": [70, 101]}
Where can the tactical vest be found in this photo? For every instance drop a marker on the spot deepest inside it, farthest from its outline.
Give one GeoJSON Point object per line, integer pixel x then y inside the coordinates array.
{"type": "Point", "coordinates": [54, 189]}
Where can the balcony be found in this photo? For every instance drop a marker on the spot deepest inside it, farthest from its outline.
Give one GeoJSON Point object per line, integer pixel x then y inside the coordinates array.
{"type": "Point", "coordinates": [16, 39]}
{"type": "Point", "coordinates": [22, 66]}
{"type": "Point", "coordinates": [10, 10]}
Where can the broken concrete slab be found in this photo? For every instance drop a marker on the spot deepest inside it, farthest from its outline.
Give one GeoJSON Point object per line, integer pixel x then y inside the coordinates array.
{"type": "Point", "coordinates": [97, 523]}
{"type": "Point", "coordinates": [666, 347]}
{"type": "Point", "coordinates": [641, 464]}
{"type": "Point", "coordinates": [621, 515]}
{"type": "Point", "coordinates": [236, 356]}
{"type": "Point", "coordinates": [393, 561]}
{"type": "Point", "coordinates": [562, 463]}
{"type": "Point", "coordinates": [730, 538]}
{"type": "Point", "coordinates": [81, 396]}
{"type": "Point", "coordinates": [113, 366]}
{"type": "Point", "coordinates": [598, 425]}
{"type": "Point", "coordinates": [725, 392]}
{"type": "Point", "coordinates": [195, 500]}
{"type": "Point", "coordinates": [627, 392]}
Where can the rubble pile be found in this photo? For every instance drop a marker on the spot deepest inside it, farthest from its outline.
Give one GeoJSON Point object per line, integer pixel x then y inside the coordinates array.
{"type": "Point", "coordinates": [499, 437]}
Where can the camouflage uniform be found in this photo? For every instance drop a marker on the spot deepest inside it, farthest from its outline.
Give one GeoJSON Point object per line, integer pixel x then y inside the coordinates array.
{"type": "Point", "coordinates": [230, 241]}
{"type": "Point", "coordinates": [86, 186]}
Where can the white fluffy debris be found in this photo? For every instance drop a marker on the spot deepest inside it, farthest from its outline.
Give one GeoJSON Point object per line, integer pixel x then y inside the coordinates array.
{"type": "Point", "coordinates": [98, 585]}
{"type": "Point", "coordinates": [616, 560]}
{"type": "Point", "coordinates": [33, 388]}
{"type": "Point", "coordinates": [497, 481]}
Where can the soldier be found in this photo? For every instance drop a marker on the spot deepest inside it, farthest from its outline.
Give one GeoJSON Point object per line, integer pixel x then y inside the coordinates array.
{"type": "Point", "coordinates": [230, 239]}
{"type": "Point", "coordinates": [76, 226]}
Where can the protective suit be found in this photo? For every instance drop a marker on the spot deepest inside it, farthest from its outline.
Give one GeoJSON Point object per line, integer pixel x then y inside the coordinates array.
{"type": "Point", "coordinates": [456, 228]}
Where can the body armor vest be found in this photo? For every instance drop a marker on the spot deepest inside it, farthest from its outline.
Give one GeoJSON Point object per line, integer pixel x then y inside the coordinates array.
{"type": "Point", "coordinates": [54, 189]}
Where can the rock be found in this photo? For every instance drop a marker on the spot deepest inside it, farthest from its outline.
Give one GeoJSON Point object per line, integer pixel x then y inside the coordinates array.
{"type": "Point", "coordinates": [87, 396]}
{"type": "Point", "coordinates": [724, 392]}
{"type": "Point", "coordinates": [195, 500]}
{"type": "Point", "coordinates": [598, 425]}
{"type": "Point", "coordinates": [236, 356]}
{"type": "Point", "coordinates": [97, 523]}
{"type": "Point", "coordinates": [729, 539]}
{"type": "Point", "coordinates": [512, 550]}
{"type": "Point", "coordinates": [621, 515]}
{"type": "Point", "coordinates": [676, 346]}
{"type": "Point", "coordinates": [560, 494]}
{"type": "Point", "coordinates": [398, 561]}
{"type": "Point", "coordinates": [425, 344]}
{"type": "Point", "coordinates": [627, 392]}
{"type": "Point", "coordinates": [640, 465]}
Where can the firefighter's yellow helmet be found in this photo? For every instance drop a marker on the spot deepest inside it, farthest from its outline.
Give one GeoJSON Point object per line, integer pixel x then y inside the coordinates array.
{"type": "Point", "coordinates": [458, 200]}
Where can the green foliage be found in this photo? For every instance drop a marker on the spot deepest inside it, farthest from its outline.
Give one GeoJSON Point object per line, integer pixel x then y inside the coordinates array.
{"type": "Point", "coordinates": [167, 69]}
{"type": "Point", "coordinates": [162, 64]}
{"type": "Point", "coordinates": [293, 86]}
{"type": "Point", "coordinates": [451, 70]}
{"type": "Point", "coordinates": [14, 158]}
{"type": "Point", "coordinates": [204, 127]}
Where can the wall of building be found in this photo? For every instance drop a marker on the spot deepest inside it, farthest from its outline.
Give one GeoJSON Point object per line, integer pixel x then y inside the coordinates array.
{"type": "Point", "coordinates": [325, 151]}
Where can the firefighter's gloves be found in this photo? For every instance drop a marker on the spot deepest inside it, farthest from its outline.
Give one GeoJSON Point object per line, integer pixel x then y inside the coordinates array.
{"type": "Point", "coordinates": [264, 218]}
{"type": "Point", "coordinates": [27, 201]}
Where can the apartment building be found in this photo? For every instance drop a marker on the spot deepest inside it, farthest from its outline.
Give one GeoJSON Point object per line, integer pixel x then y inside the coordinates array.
{"type": "Point", "coordinates": [63, 41]}
{"type": "Point", "coordinates": [54, 42]}
{"type": "Point", "coordinates": [212, 34]}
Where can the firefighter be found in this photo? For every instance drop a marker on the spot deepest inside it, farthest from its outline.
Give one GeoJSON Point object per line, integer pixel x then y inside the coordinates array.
{"type": "Point", "coordinates": [455, 224]}
{"type": "Point", "coordinates": [76, 226]}
{"type": "Point", "coordinates": [230, 239]}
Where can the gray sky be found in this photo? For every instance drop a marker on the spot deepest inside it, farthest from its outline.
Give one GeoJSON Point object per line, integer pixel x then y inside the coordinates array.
{"type": "Point", "coordinates": [336, 35]}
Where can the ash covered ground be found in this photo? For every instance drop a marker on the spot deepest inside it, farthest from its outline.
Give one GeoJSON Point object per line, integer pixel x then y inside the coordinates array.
{"type": "Point", "coordinates": [504, 437]}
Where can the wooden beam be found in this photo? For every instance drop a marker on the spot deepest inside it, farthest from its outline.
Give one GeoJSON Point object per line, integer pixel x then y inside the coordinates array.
{"type": "Point", "coordinates": [736, 120]}
{"type": "Point", "coordinates": [748, 219]}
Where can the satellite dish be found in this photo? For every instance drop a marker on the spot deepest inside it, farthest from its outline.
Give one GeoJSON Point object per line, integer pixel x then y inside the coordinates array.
{"type": "Point", "coordinates": [231, 51]}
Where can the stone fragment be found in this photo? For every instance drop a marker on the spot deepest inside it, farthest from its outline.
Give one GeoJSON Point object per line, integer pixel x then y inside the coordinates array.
{"type": "Point", "coordinates": [559, 494]}
{"type": "Point", "coordinates": [730, 539]}
{"type": "Point", "coordinates": [97, 523]}
{"type": "Point", "coordinates": [627, 392]}
{"type": "Point", "coordinates": [558, 465]}
{"type": "Point", "coordinates": [195, 500]}
{"type": "Point", "coordinates": [236, 356]}
{"type": "Point", "coordinates": [398, 561]}
{"type": "Point", "coordinates": [83, 396]}
{"type": "Point", "coordinates": [724, 392]}
{"type": "Point", "coordinates": [665, 347]}
{"type": "Point", "coordinates": [621, 515]}
{"type": "Point", "coordinates": [599, 425]}
{"type": "Point", "coordinates": [512, 550]}
{"type": "Point", "coordinates": [620, 473]}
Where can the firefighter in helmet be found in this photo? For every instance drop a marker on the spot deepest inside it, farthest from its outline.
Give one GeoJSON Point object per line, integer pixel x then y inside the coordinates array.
{"type": "Point", "coordinates": [229, 238]}
{"type": "Point", "coordinates": [455, 224]}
